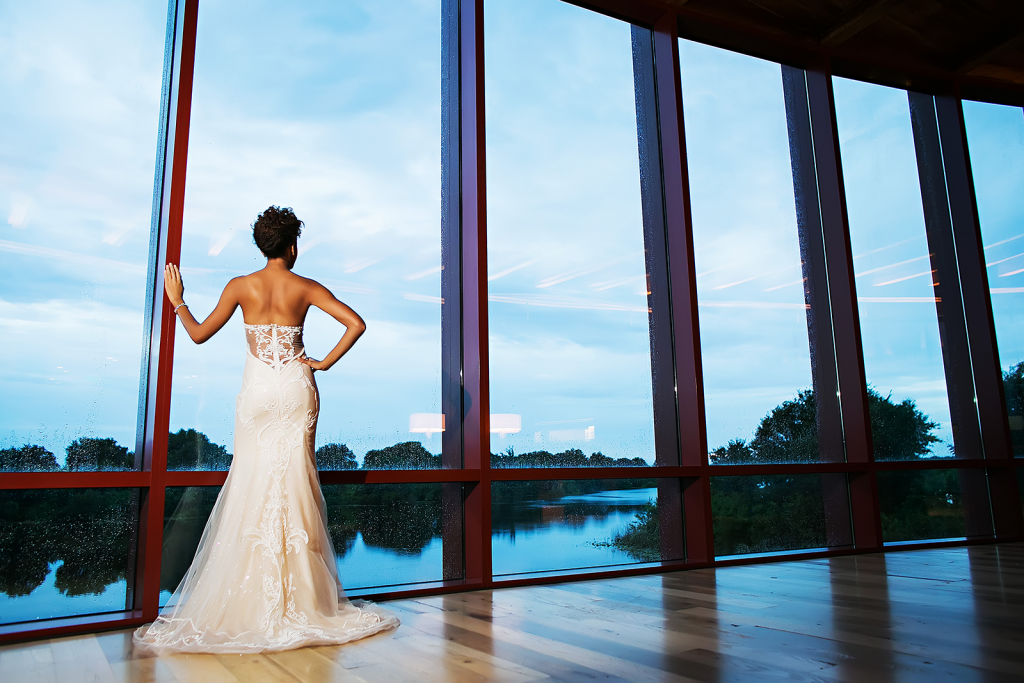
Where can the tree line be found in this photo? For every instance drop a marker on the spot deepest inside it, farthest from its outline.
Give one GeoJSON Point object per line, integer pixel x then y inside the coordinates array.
{"type": "Point", "coordinates": [768, 513]}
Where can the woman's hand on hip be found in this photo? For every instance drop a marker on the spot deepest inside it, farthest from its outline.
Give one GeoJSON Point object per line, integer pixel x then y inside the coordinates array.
{"type": "Point", "coordinates": [313, 363]}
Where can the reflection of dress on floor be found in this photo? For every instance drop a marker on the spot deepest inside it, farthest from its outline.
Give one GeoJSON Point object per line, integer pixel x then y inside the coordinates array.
{"type": "Point", "coordinates": [264, 576]}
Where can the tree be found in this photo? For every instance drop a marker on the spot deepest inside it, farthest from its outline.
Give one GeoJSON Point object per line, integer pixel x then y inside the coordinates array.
{"type": "Point", "coordinates": [28, 458]}
{"type": "Point", "coordinates": [789, 433]}
{"type": "Point", "coordinates": [784, 512]}
{"type": "Point", "coordinates": [188, 449]}
{"type": "Point", "coordinates": [642, 538]}
{"type": "Point", "coordinates": [335, 456]}
{"type": "Point", "coordinates": [899, 431]}
{"type": "Point", "coordinates": [92, 455]}
{"type": "Point", "coordinates": [571, 457]}
{"type": "Point", "coordinates": [737, 452]}
{"type": "Point", "coordinates": [409, 455]}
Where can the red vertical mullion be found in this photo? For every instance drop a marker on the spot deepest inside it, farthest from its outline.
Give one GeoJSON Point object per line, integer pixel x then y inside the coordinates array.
{"type": "Point", "coordinates": [853, 398]}
{"type": "Point", "coordinates": [476, 386]}
{"type": "Point", "coordinates": [685, 324]}
{"type": "Point", "coordinates": [158, 399]}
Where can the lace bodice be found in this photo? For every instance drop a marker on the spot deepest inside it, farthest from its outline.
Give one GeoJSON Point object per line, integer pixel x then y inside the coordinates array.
{"type": "Point", "coordinates": [275, 345]}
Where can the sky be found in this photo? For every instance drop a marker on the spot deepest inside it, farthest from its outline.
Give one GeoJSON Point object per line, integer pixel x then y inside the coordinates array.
{"type": "Point", "coordinates": [333, 109]}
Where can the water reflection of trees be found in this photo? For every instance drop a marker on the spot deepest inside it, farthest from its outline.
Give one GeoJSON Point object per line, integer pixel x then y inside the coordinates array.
{"type": "Point", "coordinates": [519, 506]}
{"type": "Point", "coordinates": [401, 518]}
{"type": "Point", "coordinates": [89, 530]}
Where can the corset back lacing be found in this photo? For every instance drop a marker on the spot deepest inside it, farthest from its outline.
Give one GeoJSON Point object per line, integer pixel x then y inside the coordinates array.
{"type": "Point", "coordinates": [275, 345]}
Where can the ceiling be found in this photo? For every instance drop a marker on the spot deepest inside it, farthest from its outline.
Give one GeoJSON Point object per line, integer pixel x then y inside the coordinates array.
{"type": "Point", "coordinates": [919, 44]}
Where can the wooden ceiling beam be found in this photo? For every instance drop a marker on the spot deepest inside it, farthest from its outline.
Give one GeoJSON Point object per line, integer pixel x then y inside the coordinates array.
{"type": "Point", "coordinates": [998, 44]}
{"type": "Point", "coordinates": [856, 19]}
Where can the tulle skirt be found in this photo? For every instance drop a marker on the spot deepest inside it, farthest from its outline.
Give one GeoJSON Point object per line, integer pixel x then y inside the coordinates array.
{"type": "Point", "coordinates": [264, 576]}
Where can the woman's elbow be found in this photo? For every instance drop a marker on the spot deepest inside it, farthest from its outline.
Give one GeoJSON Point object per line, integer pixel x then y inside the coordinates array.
{"type": "Point", "coordinates": [358, 327]}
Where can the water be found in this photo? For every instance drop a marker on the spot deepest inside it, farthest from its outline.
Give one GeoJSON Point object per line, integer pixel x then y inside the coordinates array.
{"type": "Point", "coordinates": [564, 533]}
{"type": "Point", "coordinates": [529, 536]}
{"type": "Point", "coordinates": [47, 602]}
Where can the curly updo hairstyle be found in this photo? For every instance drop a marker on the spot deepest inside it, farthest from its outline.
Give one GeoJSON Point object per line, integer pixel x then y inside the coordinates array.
{"type": "Point", "coordinates": [275, 230]}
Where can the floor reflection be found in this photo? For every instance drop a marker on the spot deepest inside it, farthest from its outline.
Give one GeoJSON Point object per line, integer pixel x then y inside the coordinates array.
{"type": "Point", "coordinates": [921, 615]}
{"type": "Point", "coordinates": [861, 617]}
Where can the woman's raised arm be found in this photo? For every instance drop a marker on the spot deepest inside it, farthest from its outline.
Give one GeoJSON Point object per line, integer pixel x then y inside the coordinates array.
{"type": "Point", "coordinates": [322, 298]}
{"type": "Point", "coordinates": [199, 331]}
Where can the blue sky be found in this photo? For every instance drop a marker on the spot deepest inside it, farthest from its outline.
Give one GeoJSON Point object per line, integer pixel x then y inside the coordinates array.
{"type": "Point", "coordinates": [81, 88]}
{"type": "Point", "coordinates": [333, 108]}
{"type": "Point", "coordinates": [569, 347]}
{"type": "Point", "coordinates": [751, 305]}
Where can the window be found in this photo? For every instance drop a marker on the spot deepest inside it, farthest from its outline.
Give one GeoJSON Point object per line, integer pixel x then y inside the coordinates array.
{"type": "Point", "coordinates": [570, 365]}
{"type": "Point", "coordinates": [76, 188]}
{"type": "Point", "coordinates": [65, 552]}
{"type": "Point", "coordinates": [334, 111]}
{"type": "Point", "coordinates": [995, 134]}
{"type": "Point", "coordinates": [903, 358]}
{"type": "Point", "coordinates": [758, 393]}
{"type": "Point", "coordinates": [543, 526]}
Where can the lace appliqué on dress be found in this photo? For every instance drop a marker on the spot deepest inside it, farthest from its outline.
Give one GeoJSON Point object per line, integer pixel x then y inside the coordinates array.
{"type": "Point", "coordinates": [275, 345]}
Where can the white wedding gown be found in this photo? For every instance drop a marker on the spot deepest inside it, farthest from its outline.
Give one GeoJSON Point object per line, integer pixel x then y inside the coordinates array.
{"type": "Point", "coordinates": [264, 576]}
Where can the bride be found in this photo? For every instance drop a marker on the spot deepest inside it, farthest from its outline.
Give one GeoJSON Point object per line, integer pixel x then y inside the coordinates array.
{"type": "Point", "coordinates": [264, 575]}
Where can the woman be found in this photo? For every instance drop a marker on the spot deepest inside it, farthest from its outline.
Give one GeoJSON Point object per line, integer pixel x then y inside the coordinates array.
{"type": "Point", "coordinates": [264, 577]}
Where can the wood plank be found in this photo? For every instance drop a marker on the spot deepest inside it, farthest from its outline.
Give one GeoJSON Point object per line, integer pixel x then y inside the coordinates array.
{"type": "Point", "coordinates": [80, 658]}
{"type": "Point", "coordinates": [309, 664]}
{"type": "Point", "coordinates": [196, 667]}
{"type": "Point", "coordinates": [254, 669]}
{"type": "Point", "coordinates": [28, 662]}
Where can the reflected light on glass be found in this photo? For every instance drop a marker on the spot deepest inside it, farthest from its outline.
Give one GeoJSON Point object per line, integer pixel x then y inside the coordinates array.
{"type": "Point", "coordinates": [506, 423]}
{"type": "Point", "coordinates": [426, 423]}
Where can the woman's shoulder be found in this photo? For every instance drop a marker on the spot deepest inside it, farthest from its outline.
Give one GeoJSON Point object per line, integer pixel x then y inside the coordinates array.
{"type": "Point", "coordinates": [307, 282]}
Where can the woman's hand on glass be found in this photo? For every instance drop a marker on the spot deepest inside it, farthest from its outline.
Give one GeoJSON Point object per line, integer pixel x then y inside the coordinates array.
{"type": "Point", "coordinates": [172, 284]}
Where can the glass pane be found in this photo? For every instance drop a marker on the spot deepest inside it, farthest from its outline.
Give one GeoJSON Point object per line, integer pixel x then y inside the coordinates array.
{"type": "Point", "coordinates": [995, 134]}
{"type": "Point", "coordinates": [186, 510]}
{"type": "Point", "coordinates": [767, 514]}
{"type": "Point", "coordinates": [385, 534]}
{"type": "Point", "coordinates": [542, 526]}
{"type": "Point", "coordinates": [570, 364]}
{"type": "Point", "coordinates": [898, 321]}
{"type": "Point", "coordinates": [334, 110]}
{"type": "Point", "coordinates": [80, 111]}
{"type": "Point", "coordinates": [64, 552]}
{"type": "Point", "coordinates": [753, 321]}
{"type": "Point", "coordinates": [920, 505]}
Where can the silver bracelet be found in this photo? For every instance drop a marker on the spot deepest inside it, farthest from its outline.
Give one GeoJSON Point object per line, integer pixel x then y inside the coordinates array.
{"type": "Point", "coordinates": [179, 306]}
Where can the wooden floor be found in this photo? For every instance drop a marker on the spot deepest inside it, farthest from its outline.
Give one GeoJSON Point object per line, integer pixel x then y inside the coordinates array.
{"type": "Point", "coordinates": [927, 615]}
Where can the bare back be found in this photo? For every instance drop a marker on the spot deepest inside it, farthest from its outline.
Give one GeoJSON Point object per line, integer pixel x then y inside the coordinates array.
{"type": "Point", "coordinates": [274, 296]}
{"type": "Point", "coordinates": [271, 296]}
